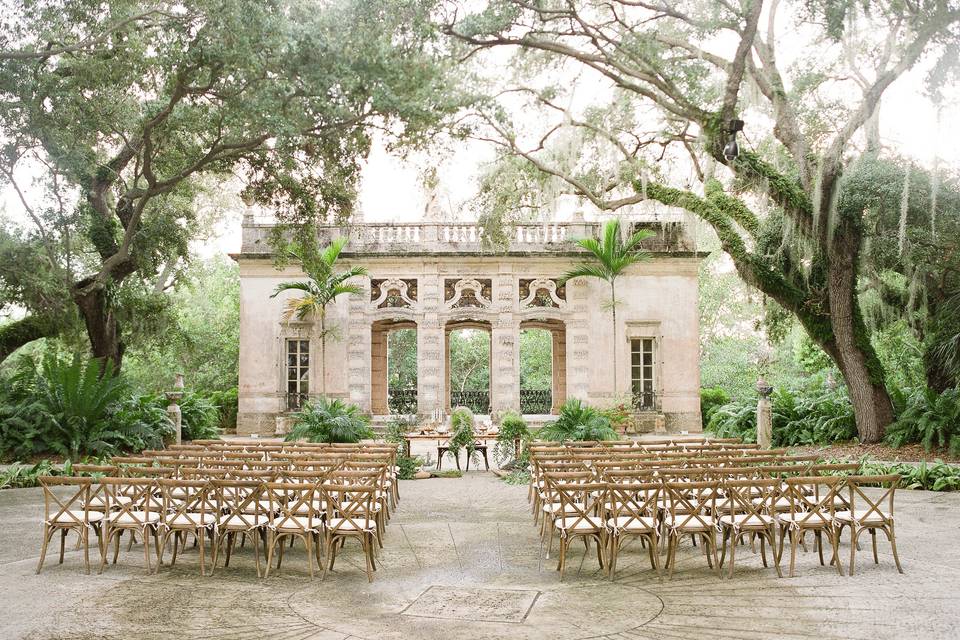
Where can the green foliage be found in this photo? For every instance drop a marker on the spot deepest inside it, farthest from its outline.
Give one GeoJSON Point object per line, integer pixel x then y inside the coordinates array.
{"type": "Point", "coordinates": [938, 476]}
{"type": "Point", "coordinates": [74, 408]}
{"type": "Point", "coordinates": [578, 421]}
{"type": "Point", "coordinates": [536, 359]}
{"type": "Point", "coordinates": [402, 360]}
{"type": "Point", "coordinates": [813, 414]}
{"type": "Point", "coordinates": [200, 417]}
{"type": "Point", "coordinates": [200, 339]}
{"type": "Point", "coordinates": [469, 359]}
{"type": "Point", "coordinates": [227, 403]}
{"type": "Point", "coordinates": [929, 418]}
{"type": "Point", "coordinates": [20, 476]}
{"type": "Point", "coordinates": [519, 477]}
{"type": "Point", "coordinates": [462, 435]}
{"type": "Point", "coordinates": [397, 427]}
{"type": "Point", "coordinates": [409, 466]}
{"type": "Point", "coordinates": [512, 428]}
{"type": "Point", "coordinates": [620, 416]}
{"type": "Point", "coordinates": [710, 400]}
{"type": "Point", "coordinates": [326, 420]}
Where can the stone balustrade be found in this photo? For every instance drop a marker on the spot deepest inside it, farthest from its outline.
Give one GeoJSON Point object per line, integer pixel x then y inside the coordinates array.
{"type": "Point", "coordinates": [463, 238]}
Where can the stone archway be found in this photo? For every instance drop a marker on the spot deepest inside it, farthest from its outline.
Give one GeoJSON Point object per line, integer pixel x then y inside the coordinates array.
{"type": "Point", "coordinates": [381, 395]}
{"type": "Point", "coordinates": [558, 361]}
{"type": "Point", "coordinates": [480, 400]}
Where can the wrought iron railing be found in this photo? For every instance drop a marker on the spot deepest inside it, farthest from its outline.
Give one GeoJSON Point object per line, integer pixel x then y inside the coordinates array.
{"type": "Point", "coordinates": [644, 400]}
{"type": "Point", "coordinates": [477, 400]}
{"type": "Point", "coordinates": [402, 401]}
{"type": "Point", "coordinates": [295, 401]}
{"type": "Point", "coordinates": [536, 401]}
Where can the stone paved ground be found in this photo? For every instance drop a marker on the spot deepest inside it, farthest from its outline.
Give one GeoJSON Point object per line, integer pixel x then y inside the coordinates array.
{"type": "Point", "coordinates": [461, 561]}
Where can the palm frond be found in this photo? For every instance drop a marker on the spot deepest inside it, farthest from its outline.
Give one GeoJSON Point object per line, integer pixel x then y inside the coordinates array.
{"type": "Point", "coordinates": [586, 270]}
{"type": "Point", "coordinates": [292, 286]}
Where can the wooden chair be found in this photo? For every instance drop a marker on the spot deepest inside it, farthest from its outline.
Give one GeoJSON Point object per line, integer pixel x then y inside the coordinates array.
{"type": "Point", "coordinates": [350, 514]}
{"type": "Point", "coordinates": [294, 514]}
{"type": "Point", "coordinates": [745, 511]}
{"type": "Point", "coordinates": [141, 514]}
{"type": "Point", "coordinates": [631, 512]}
{"type": "Point", "coordinates": [812, 502]}
{"type": "Point", "coordinates": [70, 514]}
{"type": "Point", "coordinates": [689, 509]}
{"type": "Point", "coordinates": [867, 514]}
{"type": "Point", "coordinates": [241, 504]}
{"type": "Point", "coordinates": [188, 507]}
{"type": "Point", "coordinates": [579, 516]}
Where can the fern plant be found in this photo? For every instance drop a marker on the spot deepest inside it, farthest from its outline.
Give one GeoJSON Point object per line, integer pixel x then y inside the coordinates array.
{"type": "Point", "coordinates": [929, 418]}
{"type": "Point", "coordinates": [513, 428]}
{"type": "Point", "coordinates": [578, 421]}
{"type": "Point", "coordinates": [326, 420]}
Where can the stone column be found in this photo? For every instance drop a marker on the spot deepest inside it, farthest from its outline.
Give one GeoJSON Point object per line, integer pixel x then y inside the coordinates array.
{"type": "Point", "coordinates": [559, 391]}
{"type": "Point", "coordinates": [505, 346]}
{"type": "Point", "coordinates": [430, 347]}
{"type": "Point", "coordinates": [378, 371]}
{"type": "Point", "coordinates": [764, 415]}
{"type": "Point", "coordinates": [359, 343]}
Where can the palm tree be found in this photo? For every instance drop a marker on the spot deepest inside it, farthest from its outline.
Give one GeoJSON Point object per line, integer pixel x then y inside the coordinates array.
{"type": "Point", "coordinates": [611, 255]}
{"type": "Point", "coordinates": [322, 288]}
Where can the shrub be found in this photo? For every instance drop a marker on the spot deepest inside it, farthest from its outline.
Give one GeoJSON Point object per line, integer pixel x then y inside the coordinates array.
{"type": "Point", "coordinates": [929, 418]}
{"type": "Point", "coordinates": [74, 408]}
{"type": "Point", "coordinates": [326, 420]}
{"type": "Point", "coordinates": [930, 477]}
{"type": "Point", "coordinates": [578, 421]}
{"type": "Point", "coordinates": [397, 427]}
{"type": "Point", "coordinates": [227, 403]}
{"type": "Point", "coordinates": [200, 417]}
{"type": "Point", "coordinates": [619, 415]}
{"type": "Point", "coordinates": [512, 428]}
{"type": "Point", "coordinates": [462, 435]}
{"type": "Point", "coordinates": [711, 398]}
{"type": "Point", "coordinates": [812, 415]}
{"type": "Point", "coordinates": [19, 476]}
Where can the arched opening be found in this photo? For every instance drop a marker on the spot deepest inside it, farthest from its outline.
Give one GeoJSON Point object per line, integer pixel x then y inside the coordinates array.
{"type": "Point", "coordinates": [543, 364]}
{"type": "Point", "coordinates": [468, 366]}
{"type": "Point", "coordinates": [393, 367]}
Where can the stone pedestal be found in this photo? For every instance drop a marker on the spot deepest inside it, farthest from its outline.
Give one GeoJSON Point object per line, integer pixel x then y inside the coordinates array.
{"type": "Point", "coordinates": [764, 423]}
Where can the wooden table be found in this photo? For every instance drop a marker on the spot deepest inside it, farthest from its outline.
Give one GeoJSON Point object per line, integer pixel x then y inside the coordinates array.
{"type": "Point", "coordinates": [431, 435]}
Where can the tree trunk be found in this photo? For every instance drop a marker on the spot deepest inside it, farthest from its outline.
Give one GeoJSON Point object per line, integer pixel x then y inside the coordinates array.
{"type": "Point", "coordinates": [14, 335]}
{"type": "Point", "coordinates": [613, 308]}
{"type": "Point", "coordinates": [323, 354]}
{"type": "Point", "coordinates": [101, 323]}
{"type": "Point", "coordinates": [853, 352]}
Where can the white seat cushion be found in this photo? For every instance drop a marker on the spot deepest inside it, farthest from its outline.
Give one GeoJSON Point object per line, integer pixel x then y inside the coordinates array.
{"type": "Point", "coordinates": [133, 518]}
{"type": "Point", "coordinates": [745, 521]}
{"type": "Point", "coordinates": [630, 523]}
{"type": "Point", "coordinates": [240, 523]}
{"type": "Point", "coordinates": [190, 519]}
{"type": "Point", "coordinates": [297, 523]}
{"type": "Point", "coordinates": [76, 517]}
{"type": "Point", "coordinates": [354, 524]}
{"type": "Point", "coordinates": [577, 524]}
{"type": "Point", "coordinates": [695, 523]}
{"type": "Point", "coordinates": [318, 505]}
{"type": "Point", "coordinates": [863, 517]}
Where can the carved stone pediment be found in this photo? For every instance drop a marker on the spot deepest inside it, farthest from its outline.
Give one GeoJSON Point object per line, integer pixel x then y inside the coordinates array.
{"type": "Point", "coordinates": [393, 293]}
{"type": "Point", "coordinates": [468, 292]}
{"type": "Point", "coordinates": [542, 292]}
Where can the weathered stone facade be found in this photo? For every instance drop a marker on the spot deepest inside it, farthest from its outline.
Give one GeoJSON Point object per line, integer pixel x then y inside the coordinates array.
{"type": "Point", "coordinates": [437, 277]}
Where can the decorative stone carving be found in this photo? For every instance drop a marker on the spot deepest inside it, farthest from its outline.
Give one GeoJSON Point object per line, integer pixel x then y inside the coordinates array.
{"type": "Point", "coordinates": [393, 293]}
{"type": "Point", "coordinates": [542, 292]}
{"type": "Point", "coordinates": [468, 292]}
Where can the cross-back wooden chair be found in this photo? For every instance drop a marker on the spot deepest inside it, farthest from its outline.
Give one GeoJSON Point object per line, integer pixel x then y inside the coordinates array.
{"type": "Point", "coordinates": [579, 516]}
{"type": "Point", "coordinates": [745, 511]}
{"type": "Point", "coordinates": [293, 514]}
{"type": "Point", "coordinates": [869, 514]}
{"type": "Point", "coordinates": [631, 512]}
{"type": "Point", "coordinates": [240, 503]}
{"type": "Point", "coordinates": [689, 509]}
{"type": "Point", "coordinates": [70, 513]}
{"type": "Point", "coordinates": [140, 515]}
{"type": "Point", "coordinates": [189, 507]}
{"type": "Point", "coordinates": [812, 501]}
{"type": "Point", "coordinates": [350, 514]}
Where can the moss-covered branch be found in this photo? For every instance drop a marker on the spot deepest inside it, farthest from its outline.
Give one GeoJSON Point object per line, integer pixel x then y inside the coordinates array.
{"type": "Point", "coordinates": [14, 335]}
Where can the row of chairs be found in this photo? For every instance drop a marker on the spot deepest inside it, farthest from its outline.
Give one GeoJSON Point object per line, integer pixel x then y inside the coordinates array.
{"type": "Point", "coordinates": [586, 492]}
{"type": "Point", "coordinates": [322, 504]}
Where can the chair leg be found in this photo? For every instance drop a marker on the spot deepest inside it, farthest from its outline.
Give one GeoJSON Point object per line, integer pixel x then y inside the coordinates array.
{"type": "Point", "coordinates": [47, 534]}
{"type": "Point", "coordinates": [63, 542]}
{"type": "Point", "coordinates": [854, 537]}
{"type": "Point", "coordinates": [873, 537]}
{"type": "Point", "coordinates": [85, 536]}
{"type": "Point", "coordinates": [819, 542]}
{"type": "Point", "coordinates": [308, 542]}
{"type": "Point", "coordinates": [163, 547]}
{"type": "Point", "coordinates": [146, 547]}
{"type": "Point", "coordinates": [793, 551]}
{"type": "Point", "coordinates": [200, 535]}
{"type": "Point", "coordinates": [272, 539]}
{"type": "Point", "coordinates": [893, 546]}
{"type": "Point", "coordinates": [835, 543]}
{"type": "Point", "coordinates": [733, 551]}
